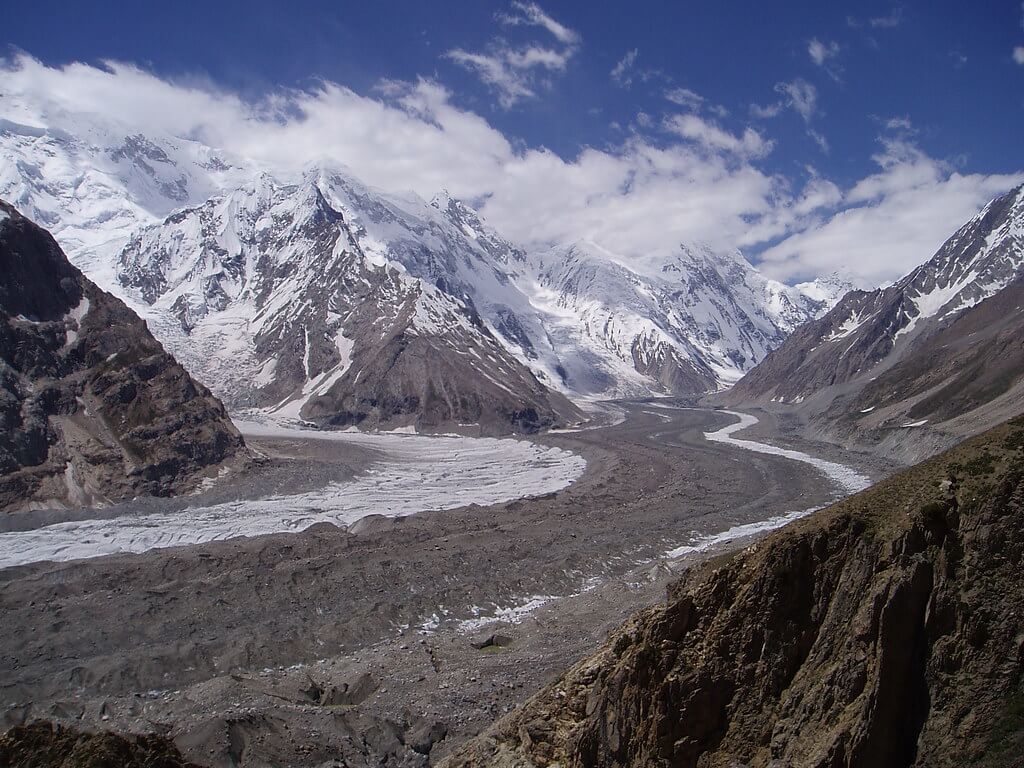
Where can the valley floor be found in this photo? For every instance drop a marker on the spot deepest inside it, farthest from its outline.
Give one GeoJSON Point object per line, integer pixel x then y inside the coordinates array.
{"type": "Point", "coordinates": [358, 643]}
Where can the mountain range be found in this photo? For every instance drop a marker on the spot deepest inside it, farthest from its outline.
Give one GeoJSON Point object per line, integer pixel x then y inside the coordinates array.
{"type": "Point", "coordinates": [315, 296]}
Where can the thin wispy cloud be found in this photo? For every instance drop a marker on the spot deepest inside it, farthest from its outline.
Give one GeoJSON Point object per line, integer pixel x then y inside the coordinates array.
{"type": "Point", "coordinates": [531, 14]}
{"type": "Point", "coordinates": [765, 111]}
{"type": "Point", "coordinates": [684, 97]}
{"type": "Point", "coordinates": [517, 73]}
{"type": "Point", "coordinates": [713, 137]}
{"type": "Point", "coordinates": [888, 21]}
{"type": "Point", "coordinates": [800, 96]}
{"type": "Point", "coordinates": [622, 73]}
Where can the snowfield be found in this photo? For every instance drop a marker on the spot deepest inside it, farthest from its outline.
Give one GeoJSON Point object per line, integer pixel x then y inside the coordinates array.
{"type": "Point", "coordinates": [417, 474]}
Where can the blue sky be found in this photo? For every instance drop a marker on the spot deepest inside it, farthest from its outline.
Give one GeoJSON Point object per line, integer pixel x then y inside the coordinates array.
{"type": "Point", "coordinates": [830, 123]}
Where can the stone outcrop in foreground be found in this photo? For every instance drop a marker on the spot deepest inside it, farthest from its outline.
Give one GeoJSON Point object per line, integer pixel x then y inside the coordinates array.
{"type": "Point", "coordinates": [887, 630]}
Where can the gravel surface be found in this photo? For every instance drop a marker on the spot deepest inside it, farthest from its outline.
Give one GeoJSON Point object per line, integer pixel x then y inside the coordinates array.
{"type": "Point", "coordinates": [376, 643]}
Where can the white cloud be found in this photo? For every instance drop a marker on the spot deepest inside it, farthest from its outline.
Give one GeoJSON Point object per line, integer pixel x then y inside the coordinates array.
{"type": "Point", "coordinates": [821, 52]}
{"type": "Point", "coordinates": [819, 139]}
{"type": "Point", "coordinates": [890, 221]}
{"type": "Point", "coordinates": [893, 19]}
{"type": "Point", "coordinates": [622, 72]}
{"type": "Point", "coordinates": [899, 124]}
{"type": "Point", "coordinates": [1018, 54]}
{"type": "Point", "coordinates": [684, 97]}
{"type": "Point", "coordinates": [532, 14]}
{"type": "Point", "coordinates": [800, 96]}
{"type": "Point", "coordinates": [514, 73]}
{"type": "Point", "coordinates": [638, 199]}
{"type": "Point", "coordinates": [713, 137]}
{"type": "Point", "coordinates": [763, 112]}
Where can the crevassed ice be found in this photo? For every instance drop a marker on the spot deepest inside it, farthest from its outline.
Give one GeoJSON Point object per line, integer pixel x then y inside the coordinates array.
{"type": "Point", "coordinates": [416, 474]}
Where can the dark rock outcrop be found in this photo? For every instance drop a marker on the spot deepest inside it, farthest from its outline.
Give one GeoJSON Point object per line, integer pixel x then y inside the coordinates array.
{"type": "Point", "coordinates": [884, 631]}
{"type": "Point", "coordinates": [92, 409]}
{"type": "Point", "coordinates": [46, 745]}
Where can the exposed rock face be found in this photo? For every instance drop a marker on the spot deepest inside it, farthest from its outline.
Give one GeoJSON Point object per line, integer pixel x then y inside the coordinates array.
{"type": "Point", "coordinates": [883, 631]}
{"type": "Point", "coordinates": [45, 745]}
{"type": "Point", "coordinates": [91, 407]}
{"type": "Point", "coordinates": [877, 362]}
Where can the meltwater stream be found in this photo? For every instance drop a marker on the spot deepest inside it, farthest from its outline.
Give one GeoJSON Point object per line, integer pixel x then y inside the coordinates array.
{"type": "Point", "coordinates": [847, 480]}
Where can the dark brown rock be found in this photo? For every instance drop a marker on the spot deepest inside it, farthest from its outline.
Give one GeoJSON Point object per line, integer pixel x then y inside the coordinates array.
{"type": "Point", "coordinates": [92, 409]}
{"type": "Point", "coordinates": [46, 745]}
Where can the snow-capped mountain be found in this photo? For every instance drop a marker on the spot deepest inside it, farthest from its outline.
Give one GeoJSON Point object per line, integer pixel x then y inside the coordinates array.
{"type": "Point", "coordinates": [941, 342]}
{"type": "Point", "coordinates": [234, 268]}
{"type": "Point", "coordinates": [827, 290]}
{"type": "Point", "coordinates": [282, 296]}
{"type": "Point", "coordinates": [695, 323]}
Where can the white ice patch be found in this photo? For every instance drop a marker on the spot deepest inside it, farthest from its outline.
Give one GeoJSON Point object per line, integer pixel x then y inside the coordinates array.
{"type": "Point", "coordinates": [704, 543]}
{"type": "Point", "coordinates": [416, 474]}
{"type": "Point", "coordinates": [509, 615]}
{"type": "Point", "coordinates": [911, 424]}
{"type": "Point", "coordinates": [76, 314]}
{"type": "Point", "coordinates": [851, 324]}
{"type": "Point", "coordinates": [847, 478]}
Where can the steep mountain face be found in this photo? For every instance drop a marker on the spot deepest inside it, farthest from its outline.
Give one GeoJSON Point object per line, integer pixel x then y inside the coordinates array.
{"type": "Point", "coordinates": [883, 631]}
{"type": "Point", "coordinates": [876, 363]}
{"type": "Point", "coordinates": [287, 301]}
{"type": "Point", "coordinates": [91, 407]}
{"type": "Point", "coordinates": [695, 323]}
{"type": "Point", "coordinates": [584, 323]}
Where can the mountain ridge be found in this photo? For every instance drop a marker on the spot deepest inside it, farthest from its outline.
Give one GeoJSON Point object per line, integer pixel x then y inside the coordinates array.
{"type": "Point", "coordinates": [136, 183]}
{"type": "Point", "coordinates": [864, 372]}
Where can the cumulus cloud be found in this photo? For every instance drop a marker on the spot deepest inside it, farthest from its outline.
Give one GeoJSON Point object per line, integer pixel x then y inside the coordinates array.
{"type": "Point", "coordinates": [638, 199]}
{"type": "Point", "coordinates": [1018, 55]}
{"type": "Point", "coordinates": [514, 73]}
{"type": "Point", "coordinates": [888, 222]}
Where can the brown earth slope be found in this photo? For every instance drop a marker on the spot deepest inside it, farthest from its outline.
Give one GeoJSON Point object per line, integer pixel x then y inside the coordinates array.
{"type": "Point", "coordinates": [887, 630]}
{"type": "Point", "coordinates": [92, 408]}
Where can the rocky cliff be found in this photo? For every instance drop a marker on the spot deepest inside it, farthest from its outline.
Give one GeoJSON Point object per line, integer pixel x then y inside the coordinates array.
{"type": "Point", "coordinates": [92, 409]}
{"type": "Point", "coordinates": [884, 631]}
